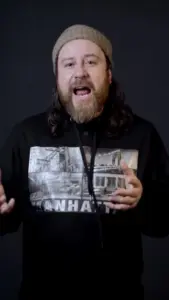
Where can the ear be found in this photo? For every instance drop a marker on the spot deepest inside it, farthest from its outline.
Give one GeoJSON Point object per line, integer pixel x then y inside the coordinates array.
{"type": "Point", "coordinates": [110, 76]}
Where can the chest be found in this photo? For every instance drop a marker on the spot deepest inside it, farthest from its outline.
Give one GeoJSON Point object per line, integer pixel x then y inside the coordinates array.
{"type": "Point", "coordinates": [57, 178]}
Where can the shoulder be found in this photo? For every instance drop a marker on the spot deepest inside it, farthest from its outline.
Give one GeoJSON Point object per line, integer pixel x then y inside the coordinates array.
{"type": "Point", "coordinates": [32, 123]}
{"type": "Point", "coordinates": [148, 132]}
{"type": "Point", "coordinates": [144, 127]}
{"type": "Point", "coordinates": [143, 123]}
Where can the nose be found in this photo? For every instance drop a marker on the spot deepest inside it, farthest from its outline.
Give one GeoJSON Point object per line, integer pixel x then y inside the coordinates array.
{"type": "Point", "coordinates": [80, 71]}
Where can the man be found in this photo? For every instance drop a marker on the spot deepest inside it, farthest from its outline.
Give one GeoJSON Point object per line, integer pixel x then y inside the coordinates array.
{"type": "Point", "coordinates": [86, 178]}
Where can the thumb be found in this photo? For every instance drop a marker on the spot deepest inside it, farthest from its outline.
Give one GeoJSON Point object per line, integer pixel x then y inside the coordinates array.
{"type": "Point", "coordinates": [1, 186]}
{"type": "Point", "coordinates": [126, 170]}
{"type": "Point", "coordinates": [7, 207]}
{"type": "Point", "coordinates": [11, 205]}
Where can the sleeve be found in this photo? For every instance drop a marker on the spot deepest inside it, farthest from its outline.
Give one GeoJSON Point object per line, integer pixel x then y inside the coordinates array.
{"type": "Point", "coordinates": [10, 170]}
{"type": "Point", "coordinates": [153, 208]}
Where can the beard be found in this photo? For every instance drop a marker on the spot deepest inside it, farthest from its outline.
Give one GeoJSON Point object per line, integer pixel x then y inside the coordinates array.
{"type": "Point", "coordinates": [83, 111]}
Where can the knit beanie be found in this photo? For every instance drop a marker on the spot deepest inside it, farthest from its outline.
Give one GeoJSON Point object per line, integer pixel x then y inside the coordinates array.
{"type": "Point", "coordinates": [82, 32]}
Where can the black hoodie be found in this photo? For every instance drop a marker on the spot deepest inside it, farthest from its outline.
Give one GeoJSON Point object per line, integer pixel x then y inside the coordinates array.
{"type": "Point", "coordinates": [70, 239]}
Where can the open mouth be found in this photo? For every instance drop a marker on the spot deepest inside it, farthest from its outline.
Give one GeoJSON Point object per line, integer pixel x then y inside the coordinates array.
{"type": "Point", "coordinates": [84, 90]}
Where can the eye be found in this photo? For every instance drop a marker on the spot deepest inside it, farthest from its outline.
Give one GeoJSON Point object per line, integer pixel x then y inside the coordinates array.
{"type": "Point", "coordinates": [68, 65]}
{"type": "Point", "coordinates": [91, 62]}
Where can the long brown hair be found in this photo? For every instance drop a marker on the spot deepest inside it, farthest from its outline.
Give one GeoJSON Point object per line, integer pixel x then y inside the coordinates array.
{"type": "Point", "coordinates": [119, 116]}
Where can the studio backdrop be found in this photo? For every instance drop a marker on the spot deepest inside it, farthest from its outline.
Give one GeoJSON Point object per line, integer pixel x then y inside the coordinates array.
{"type": "Point", "coordinates": [140, 37]}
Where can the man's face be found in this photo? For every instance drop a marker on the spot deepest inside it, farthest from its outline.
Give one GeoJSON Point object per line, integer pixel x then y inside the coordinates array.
{"type": "Point", "coordinates": [83, 79]}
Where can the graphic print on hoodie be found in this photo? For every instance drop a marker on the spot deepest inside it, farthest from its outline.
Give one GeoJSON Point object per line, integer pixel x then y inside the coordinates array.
{"type": "Point", "coordinates": [58, 181]}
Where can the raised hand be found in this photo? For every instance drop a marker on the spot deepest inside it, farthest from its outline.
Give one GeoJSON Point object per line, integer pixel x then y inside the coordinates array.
{"type": "Point", "coordinates": [5, 206]}
{"type": "Point", "coordinates": [124, 199]}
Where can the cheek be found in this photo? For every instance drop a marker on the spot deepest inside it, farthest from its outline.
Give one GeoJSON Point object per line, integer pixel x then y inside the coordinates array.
{"type": "Point", "coordinates": [98, 82]}
{"type": "Point", "coordinates": [63, 82]}
{"type": "Point", "coordinates": [99, 77]}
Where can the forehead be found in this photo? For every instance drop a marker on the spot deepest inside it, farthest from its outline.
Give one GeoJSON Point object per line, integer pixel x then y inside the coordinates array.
{"type": "Point", "coordinates": [80, 48]}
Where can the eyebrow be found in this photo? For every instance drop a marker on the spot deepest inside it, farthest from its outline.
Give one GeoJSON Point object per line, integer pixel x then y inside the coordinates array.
{"type": "Point", "coordinates": [66, 58]}
{"type": "Point", "coordinates": [86, 55]}
{"type": "Point", "coordinates": [92, 54]}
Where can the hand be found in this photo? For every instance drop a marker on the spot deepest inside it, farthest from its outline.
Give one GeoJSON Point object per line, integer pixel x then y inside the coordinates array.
{"type": "Point", "coordinates": [124, 199]}
{"type": "Point", "coordinates": [5, 207]}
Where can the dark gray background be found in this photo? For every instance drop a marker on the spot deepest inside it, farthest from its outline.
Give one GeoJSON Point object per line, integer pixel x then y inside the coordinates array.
{"type": "Point", "coordinates": [140, 36]}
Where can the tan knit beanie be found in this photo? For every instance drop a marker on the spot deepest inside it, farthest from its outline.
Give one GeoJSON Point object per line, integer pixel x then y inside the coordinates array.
{"type": "Point", "coordinates": [82, 32]}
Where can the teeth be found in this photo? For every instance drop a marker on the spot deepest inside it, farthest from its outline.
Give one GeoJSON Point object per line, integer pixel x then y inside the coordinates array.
{"type": "Point", "coordinates": [81, 89]}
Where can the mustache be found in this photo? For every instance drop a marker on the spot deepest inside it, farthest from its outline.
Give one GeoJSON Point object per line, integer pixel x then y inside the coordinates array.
{"type": "Point", "coordinates": [81, 83]}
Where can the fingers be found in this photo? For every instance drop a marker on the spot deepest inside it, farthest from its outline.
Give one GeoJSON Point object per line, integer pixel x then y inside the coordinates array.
{"type": "Point", "coordinates": [123, 200]}
{"type": "Point", "coordinates": [2, 198]}
{"type": "Point", "coordinates": [119, 206]}
{"type": "Point", "coordinates": [7, 207]}
{"type": "Point", "coordinates": [133, 192]}
{"type": "Point", "coordinates": [126, 169]}
{"type": "Point", "coordinates": [2, 192]}
{"type": "Point", "coordinates": [133, 180]}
